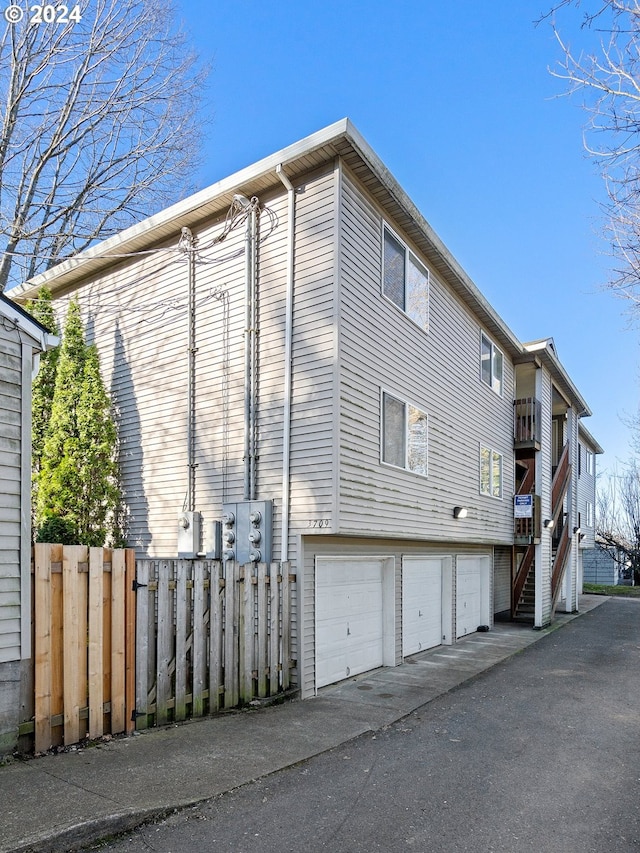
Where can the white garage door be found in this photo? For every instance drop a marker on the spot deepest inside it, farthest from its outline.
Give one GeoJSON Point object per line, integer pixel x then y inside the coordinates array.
{"type": "Point", "coordinates": [349, 627]}
{"type": "Point", "coordinates": [421, 604]}
{"type": "Point", "coordinates": [468, 595]}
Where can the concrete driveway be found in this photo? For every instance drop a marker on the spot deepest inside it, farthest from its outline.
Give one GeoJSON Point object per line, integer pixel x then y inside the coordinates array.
{"type": "Point", "coordinates": [539, 753]}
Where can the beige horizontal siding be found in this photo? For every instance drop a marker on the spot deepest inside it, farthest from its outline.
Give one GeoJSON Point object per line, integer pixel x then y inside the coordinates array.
{"type": "Point", "coordinates": [10, 493]}
{"type": "Point", "coordinates": [137, 314]}
{"type": "Point", "coordinates": [438, 371]}
{"type": "Point", "coordinates": [313, 415]}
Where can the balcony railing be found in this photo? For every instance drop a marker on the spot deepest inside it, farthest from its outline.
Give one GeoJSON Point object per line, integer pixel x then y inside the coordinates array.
{"type": "Point", "coordinates": [527, 530]}
{"type": "Point", "coordinates": [527, 419]}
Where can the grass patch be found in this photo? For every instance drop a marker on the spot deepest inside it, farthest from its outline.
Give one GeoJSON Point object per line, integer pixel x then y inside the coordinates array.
{"type": "Point", "coordinates": [603, 589]}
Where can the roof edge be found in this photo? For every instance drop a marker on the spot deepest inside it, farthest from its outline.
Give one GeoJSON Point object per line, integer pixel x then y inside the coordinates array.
{"type": "Point", "coordinates": [177, 211]}
{"type": "Point", "coordinates": [28, 324]}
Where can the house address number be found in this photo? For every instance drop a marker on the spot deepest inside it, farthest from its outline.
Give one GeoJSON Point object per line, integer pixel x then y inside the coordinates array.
{"type": "Point", "coordinates": [318, 522]}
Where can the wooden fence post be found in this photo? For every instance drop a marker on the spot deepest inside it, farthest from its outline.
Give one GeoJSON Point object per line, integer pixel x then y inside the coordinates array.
{"type": "Point", "coordinates": [117, 650]}
{"type": "Point", "coordinates": [42, 645]}
{"type": "Point", "coordinates": [182, 605]}
{"type": "Point", "coordinates": [215, 636]}
{"type": "Point", "coordinates": [245, 651]}
{"type": "Point", "coordinates": [74, 586]}
{"type": "Point", "coordinates": [274, 628]}
{"type": "Point", "coordinates": [95, 626]}
{"type": "Point", "coordinates": [232, 580]}
{"type": "Point", "coordinates": [263, 628]}
{"type": "Point", "coordinates": [130, 641]}
{"type": "Point", "coordinates": [165, 622]}
{"type": "Point", "coordinates": [199, 646]}
{"type": "Point", "coordinates": [142, 645]}
{"type": "Point", "coordinates": [286, 624]}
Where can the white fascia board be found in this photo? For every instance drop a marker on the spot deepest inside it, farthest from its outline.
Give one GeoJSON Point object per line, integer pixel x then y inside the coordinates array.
{"type": "Point", "coordinates": [143, 232]}
{"type": "Point", "coordinates": [42, 339]}
{"type": "Point", "coordinates": [68, 272]}
{"type": "Point", "coordinates": [586, 436]}
{"type": "Point", "coordinates": [546, 349]}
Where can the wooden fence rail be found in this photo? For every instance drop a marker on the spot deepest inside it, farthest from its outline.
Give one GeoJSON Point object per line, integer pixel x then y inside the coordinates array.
{"type": "Point", "coordinates": [84, 630]}
{"type": "Point", "coordinates": [211, 636]}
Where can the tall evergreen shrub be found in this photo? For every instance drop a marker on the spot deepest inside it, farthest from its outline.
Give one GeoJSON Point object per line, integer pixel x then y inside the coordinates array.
{"type": "Point", "coordinates": [44, 384]}
{"type": "Point", "coordinates": [77, 493]}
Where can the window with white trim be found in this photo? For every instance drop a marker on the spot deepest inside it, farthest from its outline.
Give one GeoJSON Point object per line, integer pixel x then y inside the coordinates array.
{"type": "Point", "coordinates": [404, 435]}
{"type": "Point", "coordinates": [589, 514]}
{"type": "Point", "coordinates": [589, 461]}
{"type": "Point", "coordinates": [490, 472]}
{"type": "Point", "coordinates": [491, 364]}
{"type": "Point", "coordinates": [405, 281]}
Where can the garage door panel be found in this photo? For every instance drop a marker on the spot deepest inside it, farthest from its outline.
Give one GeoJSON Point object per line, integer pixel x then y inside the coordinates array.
{"type": "Point", "coordinates": [468, 595]}
{"type": "Point", "coordinates": [421, 604]}
{"type": "Point", "coordinates": [349, 623]}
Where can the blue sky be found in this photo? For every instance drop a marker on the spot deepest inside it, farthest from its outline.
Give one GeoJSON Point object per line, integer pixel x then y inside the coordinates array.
{"type": "Point", "coordinates": [457, 100]}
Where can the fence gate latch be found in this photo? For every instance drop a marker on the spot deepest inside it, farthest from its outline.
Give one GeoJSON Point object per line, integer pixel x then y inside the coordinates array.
{"type": "Point", "coordinates": [136, 585]}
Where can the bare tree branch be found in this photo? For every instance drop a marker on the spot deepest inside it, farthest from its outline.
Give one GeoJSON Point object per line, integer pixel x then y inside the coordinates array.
{"type": "Point", "coordinates": [618, 518]}
{"type": "Point", "coordinates": [607, 76]}
{"type": "Point", "coordinates": [98, 128]}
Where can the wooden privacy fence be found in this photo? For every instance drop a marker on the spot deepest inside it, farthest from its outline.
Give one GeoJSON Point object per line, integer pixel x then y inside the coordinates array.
{"type": "Point", "coordinates": [210, 636]}
{"type": "Point", "coordinates": [84, 643]}
{"type": "Point", "coordinates": [120, 644]}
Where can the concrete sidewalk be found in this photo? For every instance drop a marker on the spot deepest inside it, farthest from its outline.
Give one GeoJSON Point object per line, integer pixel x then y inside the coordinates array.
{"type": "Point", "coordinates": [61, 802]}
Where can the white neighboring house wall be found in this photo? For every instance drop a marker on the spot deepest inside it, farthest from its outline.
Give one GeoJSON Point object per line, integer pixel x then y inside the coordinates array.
{"type": "Point", "coordinates": [348, 346]}
{"type": "Point", "coordinates": [22, 339]}
{"type": "Point", "coordinates": [588, 452]}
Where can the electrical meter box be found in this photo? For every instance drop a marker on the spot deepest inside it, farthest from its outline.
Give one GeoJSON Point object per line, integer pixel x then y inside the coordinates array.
{"type": "Point", "coordinates": [188, 534]}
{"type": "Point", "coordinates": [247, 531]}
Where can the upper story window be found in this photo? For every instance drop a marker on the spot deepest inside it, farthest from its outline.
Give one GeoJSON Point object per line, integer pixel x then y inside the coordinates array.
{"type": "Point", "coordinates": [404, 435]}
{"type": "Point", "coordinates": [404, 280]}
{"type": "Point", "coordinates": [491, 364]}
{"type": "Point", "coordinates": [589, 457]}
{"type": "Point", "coordinates": [589, 514]}
{"type": "Point", "coordinates": [490, 472]}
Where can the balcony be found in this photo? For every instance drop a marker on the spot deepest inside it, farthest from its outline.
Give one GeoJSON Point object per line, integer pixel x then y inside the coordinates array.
{"type": "Point", "coordinates": [527, 421]}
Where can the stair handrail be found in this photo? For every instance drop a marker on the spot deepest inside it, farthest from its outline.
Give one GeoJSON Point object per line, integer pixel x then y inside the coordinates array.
{"type": "Point", "coordinates": [521, 576]}
{"type": "Point", "coordinates": [559, 563]}
{"type": "Point", "coordinates": [560, 482]}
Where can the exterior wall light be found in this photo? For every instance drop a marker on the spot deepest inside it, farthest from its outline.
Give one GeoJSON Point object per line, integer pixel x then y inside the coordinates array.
{"type": "Point", "coordinates": [460, 512]}
{"type": "Point", "coordinates": [548, 523]}
{"type": "Point", "coordinates": [576, 530]}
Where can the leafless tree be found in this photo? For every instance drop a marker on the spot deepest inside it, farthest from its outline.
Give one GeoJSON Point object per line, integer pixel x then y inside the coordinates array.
{"type": "Point", "coordinates": [618, 518]}
{"type": "Point", "coordinates": [98, 125]}
{"type": "Point", "coordinates": [605, 70]}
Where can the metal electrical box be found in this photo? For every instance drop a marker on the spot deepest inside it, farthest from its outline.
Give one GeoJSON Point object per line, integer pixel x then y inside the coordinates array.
{"type": "Point", "coordinates": [247, 531]}
{"type": "Point", "coordinates": [212, 540]}
{"type": "Point", "coordinates": [189, 534]}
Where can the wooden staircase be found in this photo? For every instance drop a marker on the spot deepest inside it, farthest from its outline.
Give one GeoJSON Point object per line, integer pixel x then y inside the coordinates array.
{"type": "Point", "coordinates": [525, 608]}
{"type": "Point", "coordinates": [524, 585]}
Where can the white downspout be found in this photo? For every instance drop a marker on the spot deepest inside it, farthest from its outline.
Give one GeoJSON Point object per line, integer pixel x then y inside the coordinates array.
{"type": "Point", "coordinates": [288, 349]}
{"type": "Point", "coordinates": [248, 342]}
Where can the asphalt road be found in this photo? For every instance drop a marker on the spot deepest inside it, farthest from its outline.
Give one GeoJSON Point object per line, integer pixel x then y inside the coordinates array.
{"type": "Point", "coordinates": [541, 753]}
